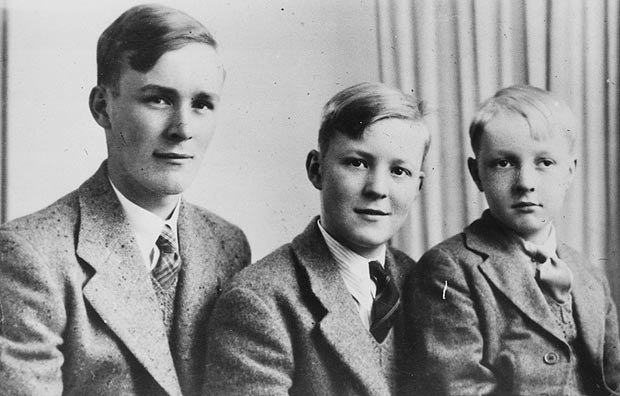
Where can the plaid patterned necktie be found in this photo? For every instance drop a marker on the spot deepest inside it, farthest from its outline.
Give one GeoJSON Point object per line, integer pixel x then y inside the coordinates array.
{"type": "Point", "coordinates": [386, 304]}
{"type": "Point", "coordinates": [169, 261]}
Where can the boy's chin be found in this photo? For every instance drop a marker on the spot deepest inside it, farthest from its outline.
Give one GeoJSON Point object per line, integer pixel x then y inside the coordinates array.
{"type": "Point", "coordinates": [530, 228]}
{"type": "Point", "coordinates": [532, 232]}
{"type": "Point", "coordinates": [365, 247]}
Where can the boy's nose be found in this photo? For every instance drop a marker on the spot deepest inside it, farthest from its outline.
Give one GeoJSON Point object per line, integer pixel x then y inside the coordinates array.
{"type": "Point", "coordinates": [377, 184]}
{"type": "Point", "coordinates": [179, 128]}
{"type": "Point", "coordinates": [526, 179]}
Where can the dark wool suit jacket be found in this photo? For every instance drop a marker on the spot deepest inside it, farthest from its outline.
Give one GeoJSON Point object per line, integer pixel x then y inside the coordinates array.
{"type": "Point", "coordinates": [78, 313]}
{"type": "Point", "coordinates": [480, 325]}
{"type": "Point", "coordinates": [288, 325]}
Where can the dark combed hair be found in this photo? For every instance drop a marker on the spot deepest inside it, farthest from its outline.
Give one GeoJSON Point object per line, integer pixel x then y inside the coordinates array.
{"type": "Point", "coordinates": [353, 109]}
{"type": "Point", "coordinates": [141, 35]}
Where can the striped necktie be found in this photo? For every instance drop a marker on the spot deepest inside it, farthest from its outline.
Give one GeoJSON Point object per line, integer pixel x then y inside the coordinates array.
{"type": "Point", "coordinates": [386, 304]}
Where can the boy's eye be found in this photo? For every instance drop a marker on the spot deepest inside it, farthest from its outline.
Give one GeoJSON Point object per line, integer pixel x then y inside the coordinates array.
{"type": "Point", "coordinates": [503, 163]}
{"type": "Point", "coordinates": [398, 171]}
{"type": "Point", "coordinates": [357, 163]}
{"type": "Point", "coordinates": [546, 163]}
{"type": "Point", "coordinates": [203, 105]}
{"type": "Point", "coordinates": [158, 100]}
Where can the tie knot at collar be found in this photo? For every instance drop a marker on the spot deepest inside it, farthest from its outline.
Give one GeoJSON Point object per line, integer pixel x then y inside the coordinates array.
{"type": "Point", "coordinates": [378, 274]}
{"type": "Point", "coordinates": [538, 253]}
{"type": "Point", "coordinates": [166, 242]}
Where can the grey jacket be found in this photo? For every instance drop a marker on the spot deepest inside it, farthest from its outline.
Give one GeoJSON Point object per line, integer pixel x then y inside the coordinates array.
{"type": "Point", "coordinates": [78, 314]}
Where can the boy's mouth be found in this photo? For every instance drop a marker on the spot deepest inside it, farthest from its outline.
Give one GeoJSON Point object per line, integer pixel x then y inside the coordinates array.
{"type": "Point", "coordinates": [373, 212]}
{"type": "Point", "coordinates": [521, 205]}
{"type": "Point", "coordinates": [172, 155]}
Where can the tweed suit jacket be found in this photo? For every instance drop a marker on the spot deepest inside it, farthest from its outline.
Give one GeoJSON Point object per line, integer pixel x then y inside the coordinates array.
{"type": "Point", "coordinates": [480, 325]}
{"type": "Point", "coordinates": [288, 325]}
{"type": "Point", "coordinates": [78, 313]}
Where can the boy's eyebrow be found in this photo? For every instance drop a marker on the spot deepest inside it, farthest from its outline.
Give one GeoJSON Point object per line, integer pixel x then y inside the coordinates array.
{"type": "Point", "coordinates": [510, 153]}
{"type": "Point", "coordinates": [209, 97]}
{"type": "Point", "coordinates": [158, 88]}
{"type": "Point", "coordinates": [367, 154]}
{"type": "Point", "coordinates": [544, 153]}
{"type": "Point", "coordinates": [502, 152]}
{"type": "Point", "coordinates": [171, 92]}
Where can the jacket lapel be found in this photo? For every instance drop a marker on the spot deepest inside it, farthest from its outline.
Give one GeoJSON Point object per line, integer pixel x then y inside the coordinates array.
{"type": "Point", "coordinates": [588, 302]}
{"type": "Point", "coordinates": [341, 325]}
{"type": "Point", "coordinates": [508, 268]}
{"type": "Point", "coordinates": [199, 280]}
{"type": "Point", "coordinates": [120, 289]}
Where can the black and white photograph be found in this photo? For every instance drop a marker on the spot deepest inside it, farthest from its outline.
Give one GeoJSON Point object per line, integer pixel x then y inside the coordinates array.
{"type": "Point", "coordinates": [320, 197]}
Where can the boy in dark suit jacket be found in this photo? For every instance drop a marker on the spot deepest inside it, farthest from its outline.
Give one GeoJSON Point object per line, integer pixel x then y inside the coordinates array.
{"type": "Point", "coordinates": [505, 308]}
{"type": "Point", "coordinates": [108, 290]}
{"type": "Point", "coordinates": [320, 315]}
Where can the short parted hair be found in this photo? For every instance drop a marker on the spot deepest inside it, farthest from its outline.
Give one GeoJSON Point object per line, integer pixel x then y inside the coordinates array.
{"type": "Point", "coordinates": [546, 114]}
{"type": "Point", "coordinates": [141, 35]}
{"type": "Point", "coordinates": [353, 109]}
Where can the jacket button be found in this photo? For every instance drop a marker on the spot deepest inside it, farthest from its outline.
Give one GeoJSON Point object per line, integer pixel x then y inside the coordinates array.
{"type": "Point", "coordinates": [551, 358]}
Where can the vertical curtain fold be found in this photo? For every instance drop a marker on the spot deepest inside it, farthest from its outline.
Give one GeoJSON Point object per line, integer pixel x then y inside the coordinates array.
{"type": "Point", "coordinates": [612, 48]}
{"type": "Point", "coordinates": [459, 52]}
{"type": "Point", "coordinates": [468, 97]}
{"type": "Point", "coordinates": [3, 110]}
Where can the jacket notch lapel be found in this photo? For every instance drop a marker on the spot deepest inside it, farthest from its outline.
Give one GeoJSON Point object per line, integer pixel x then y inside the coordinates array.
{"type": "Point", "coordinates": [355, 348]}
{"type": "Point", "coordinates": [519, 286]}
{"type": "Point", "coordinates": [507, 267]}
{"type": "Point", "coordinates": [199, 280]}
{"type": "Point", "coordinates": [120, 290]}
{"type": "Point", "coordinates": [341, 326]}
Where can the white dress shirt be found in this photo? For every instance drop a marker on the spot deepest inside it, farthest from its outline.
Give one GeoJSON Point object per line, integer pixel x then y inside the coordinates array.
{"type": "Point", "coordinates": [355, 272]}
{"type": "Point", "coordinates": [147, 227]}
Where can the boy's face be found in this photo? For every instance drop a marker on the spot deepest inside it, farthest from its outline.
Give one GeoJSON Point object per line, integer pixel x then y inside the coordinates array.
{"type": "Point", "coordinates": [368, 185]}
{"type": "Point", "coordinates": [524, 180]}
{"type": "Point", "coordinates": [159, 123]}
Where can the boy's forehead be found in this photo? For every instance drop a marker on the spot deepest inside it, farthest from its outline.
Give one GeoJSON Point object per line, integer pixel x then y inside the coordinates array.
{"type": "Point", "coordinates": [205, 71]}
{"type": "Point", "coordinates": [512, 131]}
{"type": "Point", "coordinates": [392, 136]}
{"type": "Point", "coordinates": [124, 61]}
{"type": "Point", "coordinates": [505, 120]}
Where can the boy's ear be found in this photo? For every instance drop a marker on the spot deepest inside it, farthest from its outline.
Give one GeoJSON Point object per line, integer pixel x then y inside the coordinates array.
{"type": "Point", "coordinates": [472, 164]}
{"type": "Point", "coordinates": [313, 169]}
{"type": "Point", "coordinates": [98, 104]}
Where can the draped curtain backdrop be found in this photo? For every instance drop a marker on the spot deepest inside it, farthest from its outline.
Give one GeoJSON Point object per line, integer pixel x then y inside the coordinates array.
{"type": "Point", "coordinates": [3, 109]}
{"type": "Point", "coordinates": [456, 53]}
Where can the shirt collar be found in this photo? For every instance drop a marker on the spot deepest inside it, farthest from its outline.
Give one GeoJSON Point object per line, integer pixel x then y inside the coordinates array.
{"type": "Point", "coordinates": [346, 256]}
{"type": "Point", "coordinates": [146, 225]}
{"type": "Point", "coordinates": [353, 268]}
{"type": "Point", "coordinates": [355, 273]}
{"type": "Point", "coordinates": [548, 248]}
